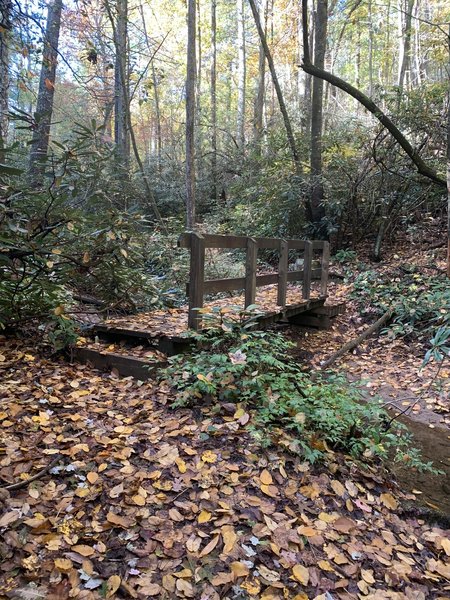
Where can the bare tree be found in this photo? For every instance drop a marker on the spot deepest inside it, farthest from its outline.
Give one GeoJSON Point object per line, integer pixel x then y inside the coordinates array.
{"type": "Point", "coordinates": [241, 73]}
{"type": "Point", "coordinates": [190, 116]}
{"type": "Point", "coordinates": [44, 105]}
{"type": "Point", "coordinates": [5, 29]}
{"type": "Point", "coordinates": [121, 85]}
{"type": "Point", "coordinates": [261, 85]}
{"type": "Point", "coordinates": [317, 209]}
{"type": "Point", "coordinates": [214, 98]}
{"type": "Point", "coordinates": [405, 45]}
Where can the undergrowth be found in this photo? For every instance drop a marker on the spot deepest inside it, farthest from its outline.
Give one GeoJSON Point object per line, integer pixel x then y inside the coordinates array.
{"type": "Point", "coordinates": [310, 417]}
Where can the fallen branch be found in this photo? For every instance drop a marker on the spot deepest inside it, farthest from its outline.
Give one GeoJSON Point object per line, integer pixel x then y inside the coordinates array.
{"type": "Point", "coordinates": [39, 474]}
{"type": "Point", "coordinates": [357, 341]}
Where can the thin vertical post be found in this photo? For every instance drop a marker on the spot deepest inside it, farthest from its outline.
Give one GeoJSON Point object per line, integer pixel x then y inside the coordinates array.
{"type": "Point", "coordinates": [282, 273]}
{"type": "Point", "coordinates": [307, 270]}
{"type": "Point", "coordinates": [325, 268]}
{"type": "Point", "coordinates": [250, 271]}
{"type": "Point", "coordinates": [196, 280]}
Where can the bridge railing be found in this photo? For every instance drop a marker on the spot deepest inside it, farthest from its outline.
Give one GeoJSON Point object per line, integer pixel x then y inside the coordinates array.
{"type": "Point", "coordinates": [197, 287]}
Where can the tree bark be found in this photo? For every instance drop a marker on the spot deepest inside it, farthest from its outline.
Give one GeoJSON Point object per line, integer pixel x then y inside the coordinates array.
{"type": "Point", "coordinates": [121, 86]}
{"type": "Point", "coordinates": [405, 63]}
{"type": "Point", "coordinates": [5, 34]}
{"type": "Point", "coordinates": [276, 84]}
{"type": "Point", "coordinates": [214, 99]}
{"type": "Point", "coordinates": [346, 87]}
{"type": "Point", "coordinates": [317, 210]}
{"type": "Point", "coordinates": [448, 163]}
{"type": "Point", "coordinates": [241, 73]}
{"type": "Point", "coordinates": [44, 105]}
{"type": "Point", "coordinates": [190, 117]}
{"type": "Point", "coordinates": [261, 85]}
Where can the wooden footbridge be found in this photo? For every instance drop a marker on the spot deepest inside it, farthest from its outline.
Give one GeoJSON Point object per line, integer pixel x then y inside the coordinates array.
{"type": "Point", "coordinates": [130, 344]}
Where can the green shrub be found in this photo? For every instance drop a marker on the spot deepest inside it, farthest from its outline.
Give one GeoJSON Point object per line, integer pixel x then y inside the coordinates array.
{"type": "Point", "coordinates": [236, 365]}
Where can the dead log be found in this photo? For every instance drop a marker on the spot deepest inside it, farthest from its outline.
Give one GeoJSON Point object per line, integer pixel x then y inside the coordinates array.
{"type": "Point", "coordinates": [357, 341]}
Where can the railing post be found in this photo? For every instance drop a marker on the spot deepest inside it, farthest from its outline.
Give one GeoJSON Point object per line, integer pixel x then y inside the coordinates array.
{"type": "Point", "coordinates": [325, 268]}
{"type": "Point", "coordinates": [196, 279]}
{"type": "Point", "coordinates": [282, 273]}
{"type": "Point", "coordinates": [307, 270]}
{"type": "Point", "coordinates": [250, 271]}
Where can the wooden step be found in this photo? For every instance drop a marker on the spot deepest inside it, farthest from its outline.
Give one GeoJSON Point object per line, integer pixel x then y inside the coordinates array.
{"type": "Point", "coordinates": [119, 359]}
{"type": "Point", "coordinates": [169, 345]}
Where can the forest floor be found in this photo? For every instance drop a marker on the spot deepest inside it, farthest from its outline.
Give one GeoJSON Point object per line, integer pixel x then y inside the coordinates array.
{"type": "Point", "coordinates": [135, 500]}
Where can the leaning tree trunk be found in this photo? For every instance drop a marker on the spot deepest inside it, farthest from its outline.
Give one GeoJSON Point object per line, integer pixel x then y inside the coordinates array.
{"type": "Point", "coordinates": [4, 72]}
{"type": "Point", "coordinates": [121, 86]}
{"type": "Point", "coordinates": [44, 105]}
{"type": "Point", "coordinates": [241, 73]}
{"type": "Point", "coordinates": [317, 191]}
{"type": "Point", "coordinates": [190, 117]}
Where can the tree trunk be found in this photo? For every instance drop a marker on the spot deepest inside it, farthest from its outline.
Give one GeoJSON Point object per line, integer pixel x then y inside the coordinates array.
{"type": "Point", "coordinates": [213, 99]}
{"type": "Point", "coordinates": [317, 192]}
{"type": "Point", "coordinates": [198, 90]}
{"type": "Point", "coordinates": [190, 117]}
{"type": "Point", "coordinates": [5, 33]}
{"type": "Point", "coordinates": [121, 87]}
{"type": "Point", "coordinates": [448, 163]}
{"type": "Point", "coordinates": [261, 85]}
{"type": "Point", "coordinates": [44, 105]}
{"type": "Point", "coordinates": [241, 73]}
{"type": "Point", "coordinates": [405, 63]}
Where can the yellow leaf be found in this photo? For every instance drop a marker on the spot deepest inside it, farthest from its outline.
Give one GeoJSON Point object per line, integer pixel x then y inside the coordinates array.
{"type": "Point", "coordinates": [266, 477]}
{"type": "Point", "coordinates": [239, 569]}
{"type": "Point", "coordinates": [338, 488]}
{"type": "Point", "coordinates": [59, 310]}
{"type": "Point", "coordinates": [204, 516]}
{"type": "Point", "coordinates": [56, 251]}
{"type": "Point", "coordinates": [181, 465]}
{"type": "Point", "coordinates": [83, 550]}
{"type": "Point", "coordinates": [229, 537]}
{"type": "Point", "coordinates": [301, 574]}
{"type": "Point", "coordinates": [139, 500]}
{"type": "Point", "coordinates": [112, 585]}
{"type": "Point", "coordinates": [63, 564]}
{"type": "Point", "coordinates": [325, 565]}
{"type": "Point", "coordinates": [445, 543]}
{"type": "Point", "coordinates": [239, 413]}
{"type": "Point", "coordinates": [92, 477]}
{"type": "Point", "coordinates": [209, 457]}
{"type": "Point", "coordinates": [389, 501]}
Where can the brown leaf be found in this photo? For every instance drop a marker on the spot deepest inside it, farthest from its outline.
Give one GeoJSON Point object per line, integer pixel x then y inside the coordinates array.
{"type": "Point", "coordinates": [112, 585]}
{"type": "Point", "coordinates": [209, 547]}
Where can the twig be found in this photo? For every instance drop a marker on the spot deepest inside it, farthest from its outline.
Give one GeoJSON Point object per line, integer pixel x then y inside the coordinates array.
{"type": "Point", "coordinates": [39, 474]}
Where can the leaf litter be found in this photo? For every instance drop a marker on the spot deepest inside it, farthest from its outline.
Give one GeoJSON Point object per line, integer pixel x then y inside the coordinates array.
{"type": "Point", "coordinates": [147, 502]}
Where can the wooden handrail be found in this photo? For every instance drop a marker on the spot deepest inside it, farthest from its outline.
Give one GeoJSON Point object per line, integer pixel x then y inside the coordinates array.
{"type": "Point", "coordinates": [198, 287]}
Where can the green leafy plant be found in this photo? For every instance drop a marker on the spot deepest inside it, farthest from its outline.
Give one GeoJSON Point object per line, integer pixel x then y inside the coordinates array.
{"type": "Point", "coordinates": [237, 365]}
